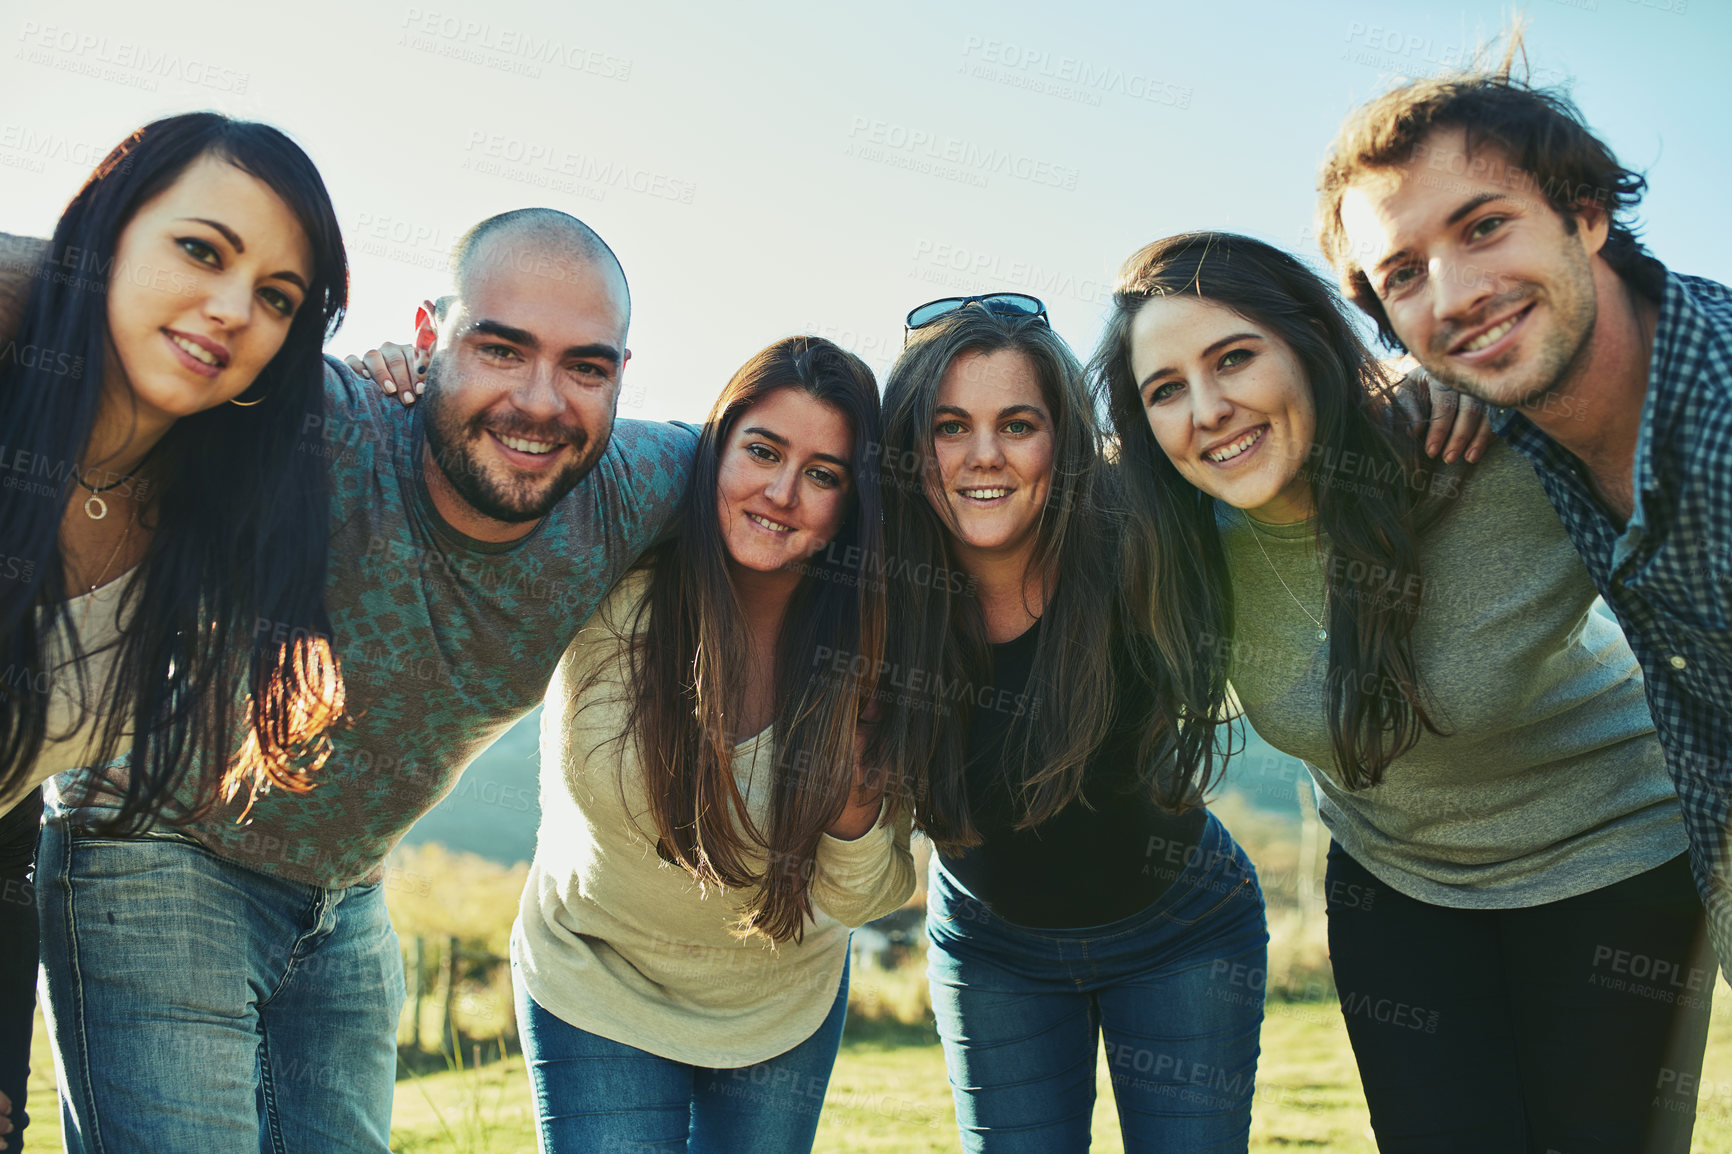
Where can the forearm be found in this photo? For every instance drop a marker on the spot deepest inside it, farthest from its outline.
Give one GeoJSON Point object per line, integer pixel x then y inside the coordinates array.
{"type": "Point", "coordinates": [20, 259]}
{"type": "Point", "coordinates": [858, 881]}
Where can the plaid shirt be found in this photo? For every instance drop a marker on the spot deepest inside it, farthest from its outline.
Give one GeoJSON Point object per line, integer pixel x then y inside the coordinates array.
{"type": "Point", "coordinates": [1668, 573]}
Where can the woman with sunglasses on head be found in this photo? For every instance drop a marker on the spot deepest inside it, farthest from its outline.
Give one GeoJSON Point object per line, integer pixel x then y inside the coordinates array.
{"type": "Point", "coordinates": [163, 362]}
{"type": "Point", "coordinates": [1065, 902]}
{"type": "Point", "coordinates": [1506, 838]}
{"type": "Point", "coordinates": [708, 832]}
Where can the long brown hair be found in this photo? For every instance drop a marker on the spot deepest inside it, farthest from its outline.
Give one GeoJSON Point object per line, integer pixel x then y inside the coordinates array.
{"type": "Point", "coordinates": [1371, 487]}
{"type": "Point", "coordinates": [939, 633]}
{"type": "Point", "coordinates": [690, 644]}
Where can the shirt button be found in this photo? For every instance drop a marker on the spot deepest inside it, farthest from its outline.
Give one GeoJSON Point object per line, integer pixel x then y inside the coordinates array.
{"type": "Point", "coordinates": [1676, 662]}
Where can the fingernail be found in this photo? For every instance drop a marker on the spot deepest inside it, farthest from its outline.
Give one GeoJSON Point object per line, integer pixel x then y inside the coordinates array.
{"type": "Point", "coordinates": [1449, 457]}
{"type": "Point", "coordinates": [1473, 456]}
{"type": "Point", "coordinates": [389, 386]}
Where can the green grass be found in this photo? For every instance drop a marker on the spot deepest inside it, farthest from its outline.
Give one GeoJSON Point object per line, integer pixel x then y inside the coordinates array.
{"type": "Point", "coordinates": [889, 1094]}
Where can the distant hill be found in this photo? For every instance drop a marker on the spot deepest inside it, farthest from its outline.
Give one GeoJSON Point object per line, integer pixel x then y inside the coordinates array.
{"type": "Point", "coordinates": [495, 809]}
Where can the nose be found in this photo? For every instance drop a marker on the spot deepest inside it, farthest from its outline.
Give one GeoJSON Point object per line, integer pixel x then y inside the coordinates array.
{"type": "Point", "coordinates": [228, 301]}
{"type": "Point", "coordinates": [984, 451]}
{"type": "Point", "coordinates": [1458, 287]}
{"type": "Point", "coordinates": [783, 489]}
{"type": "Point", "coordinates": [537, 393]}
{"type": "Point", "coordinates": [1210, 408]}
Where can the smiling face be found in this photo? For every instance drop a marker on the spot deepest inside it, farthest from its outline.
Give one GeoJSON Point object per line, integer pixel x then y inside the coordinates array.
{"type": "Point", "coordinates": [1480, 276]}
{"type": "Point", "coordinates": [522, 382]}
{"type": "Point", "coordinates": [784, 485]}
{"type": "Point", "coordinates": [1228, 403]}
{"type": "Point", "coordinates": [993, 444]}
{"type": "Point", "coordinates": [208, 275]}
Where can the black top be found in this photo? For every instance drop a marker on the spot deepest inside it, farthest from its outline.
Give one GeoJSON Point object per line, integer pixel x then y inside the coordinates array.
{"type": "Point", "coordinates": [1091, 863]}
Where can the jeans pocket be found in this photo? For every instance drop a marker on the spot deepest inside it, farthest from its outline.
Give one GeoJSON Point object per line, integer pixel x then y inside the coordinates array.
{"type": "Point", "coordinates": [1213, 891]}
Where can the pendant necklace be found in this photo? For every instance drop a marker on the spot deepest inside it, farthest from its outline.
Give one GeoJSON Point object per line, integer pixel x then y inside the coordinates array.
{"type": "Point", "coordinates": [1322, 633]}
{"type": "Point", "coordinates": [94, 506]}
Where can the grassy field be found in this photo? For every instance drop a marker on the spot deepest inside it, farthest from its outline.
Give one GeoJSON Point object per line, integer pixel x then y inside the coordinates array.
{"type": "Point", "coordinates": [889, 1094]}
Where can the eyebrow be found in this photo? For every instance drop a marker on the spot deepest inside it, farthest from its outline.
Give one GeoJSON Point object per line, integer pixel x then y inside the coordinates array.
{"type": "Point", "coordinates": [239, 245]}
{"type": "Point", "coordinates": [772, 435]}
{"type": "Point", "coordinates": [599, 350]}
{"type": "Point", "coordinates": [1007, 411]}
{"type": "Point", "coordinates": [1471, 204]}
{"type": "Point", "coordinates": [1223, 342]}
{"type": "Point", "coordinates": [1466, 208]}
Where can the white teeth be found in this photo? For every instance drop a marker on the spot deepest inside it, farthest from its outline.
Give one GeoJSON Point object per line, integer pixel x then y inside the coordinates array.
{"type": "Point", "coordinates": [985, 494]}
{"type": "Point", "coordinates": [1228, 452]}
{"type": "Point", "coordinates": [523, 446]}
{"type": "Point", "coordinates": [773, 526]}
{"type": "Point", "coordinates": [1489, 337]}
{"type": "Point", "coordinates": [196, 352]}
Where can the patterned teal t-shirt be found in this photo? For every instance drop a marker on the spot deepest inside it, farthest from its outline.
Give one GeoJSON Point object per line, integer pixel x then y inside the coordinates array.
{"type": "Point", "coordinates": [445, 641]}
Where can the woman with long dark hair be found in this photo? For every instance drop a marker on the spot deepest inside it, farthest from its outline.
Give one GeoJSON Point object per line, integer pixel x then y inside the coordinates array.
{"type": "Point", "coordinates": [1066, 901]}
{"type": "Point", "coordinates": [1506, 839]}
{"type": "Point", "coordinates": [158, 506]}
{"type": "Point", "coordinates": [708, 832]}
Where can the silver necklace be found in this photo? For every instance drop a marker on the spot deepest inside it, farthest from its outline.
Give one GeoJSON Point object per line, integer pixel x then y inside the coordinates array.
{"type": "Point", "coordinates": [1322, 633]}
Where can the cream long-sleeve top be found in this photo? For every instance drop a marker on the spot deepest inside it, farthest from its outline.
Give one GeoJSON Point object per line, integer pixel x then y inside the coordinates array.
{"type": "Point", "coordinates": [613, 940]}
{"type": "Point", "coordinates": [79, 700]}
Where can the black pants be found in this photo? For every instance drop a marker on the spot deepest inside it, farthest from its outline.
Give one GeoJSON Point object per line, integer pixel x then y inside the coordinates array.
{"type": "Point", "coordinates": [1572, 1027]}
{"type": "Point", "coordinates": [18, 829]}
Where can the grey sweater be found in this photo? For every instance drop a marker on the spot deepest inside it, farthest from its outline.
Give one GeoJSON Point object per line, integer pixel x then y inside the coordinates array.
{"type": "Point", "coordinates": [1550, 782]}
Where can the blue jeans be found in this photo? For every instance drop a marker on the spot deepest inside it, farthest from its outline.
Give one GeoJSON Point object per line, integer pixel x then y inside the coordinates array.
{"type": "Point", "coordinates": [200, 1006]}
{"type": "Point", "coordinates": [1177, 990]}
{"type": "Point", "coordinates": [595, 1094]}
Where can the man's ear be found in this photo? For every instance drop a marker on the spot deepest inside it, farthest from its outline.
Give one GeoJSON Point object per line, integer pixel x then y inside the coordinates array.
{"type": "Point", "coordinates": [426, 329]}
{"type": "Point", "coordinates": [1594, 223]}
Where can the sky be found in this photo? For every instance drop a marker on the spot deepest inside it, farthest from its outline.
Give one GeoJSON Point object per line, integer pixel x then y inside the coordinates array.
{"type": "Point", "coordinates": [772, 168]}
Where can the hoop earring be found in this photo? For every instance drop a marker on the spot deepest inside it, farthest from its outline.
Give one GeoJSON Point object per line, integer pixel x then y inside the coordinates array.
{"type": "Point", "coordinates": [247, 404]}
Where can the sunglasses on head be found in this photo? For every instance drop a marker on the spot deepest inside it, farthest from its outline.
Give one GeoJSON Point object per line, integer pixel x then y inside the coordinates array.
{"type": "Point", "coordinates": [1005, 304]}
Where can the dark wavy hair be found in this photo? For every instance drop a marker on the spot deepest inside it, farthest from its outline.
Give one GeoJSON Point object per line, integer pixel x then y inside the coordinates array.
{"type": "Point", "coordinates": [1538, 130]}
{"type": "Point", "coordinates": [225, 669]}
{"type": "Point", "coordinates": [691, 644]}
{"type": "Point", "coordinates": [939, 628]}
{"type": "Point", "coordinates": [1175, 567]}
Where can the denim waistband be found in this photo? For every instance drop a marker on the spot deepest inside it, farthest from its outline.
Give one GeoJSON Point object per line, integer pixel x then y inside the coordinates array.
{"type": "Point", "coordinates": [1214, 856]}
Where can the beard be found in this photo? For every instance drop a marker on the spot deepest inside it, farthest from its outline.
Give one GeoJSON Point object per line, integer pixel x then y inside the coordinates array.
{"type": "Point", "coordinates": [1542, 369]}
{"type": "Point", "coordinates": [497, 493]}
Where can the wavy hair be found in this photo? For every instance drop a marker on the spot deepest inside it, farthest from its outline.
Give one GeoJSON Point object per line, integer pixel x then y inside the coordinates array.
{"type": "Point", "coordinates": [690, 644]}
{"type": "Point", "coordinates": [1538, 130]}
{"type": "Point", "coordinates": [1175, 568]}
{"type": "Point", "coordinates": [227, 643]}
